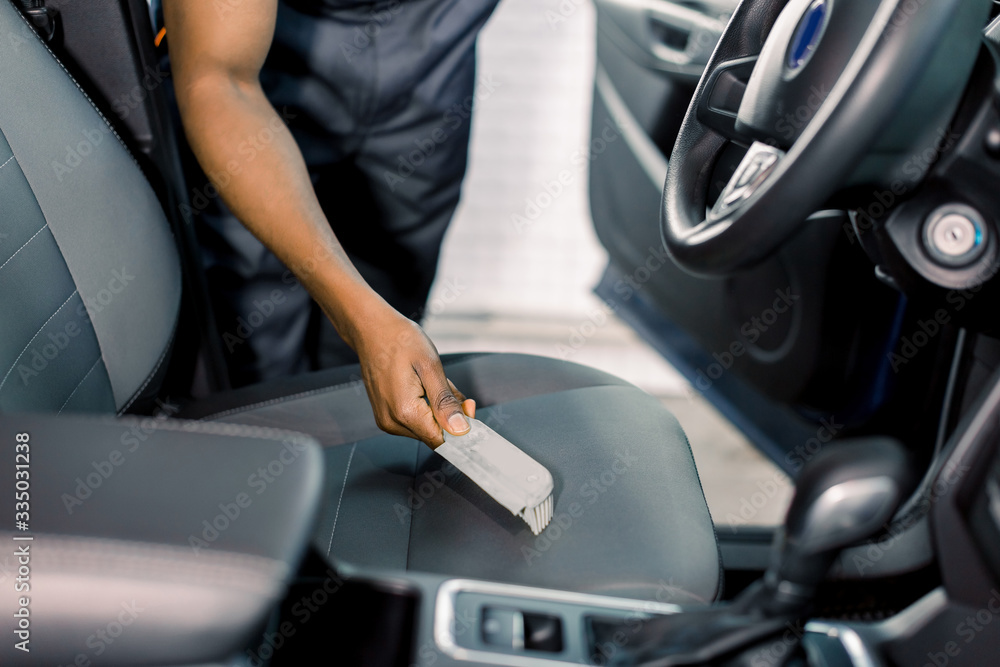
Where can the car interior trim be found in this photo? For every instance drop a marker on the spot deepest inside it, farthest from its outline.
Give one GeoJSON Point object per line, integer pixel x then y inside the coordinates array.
{"type": "Point", "coordinates": [653, 162]}
{"type": "Point", "coordinates": [444, 615]}
{"type": "Point", "coordinates": [852, 643]}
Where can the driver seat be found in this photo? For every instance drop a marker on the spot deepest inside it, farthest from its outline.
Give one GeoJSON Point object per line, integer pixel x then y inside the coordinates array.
{"type": "Point", "coordinates": [90, 285]}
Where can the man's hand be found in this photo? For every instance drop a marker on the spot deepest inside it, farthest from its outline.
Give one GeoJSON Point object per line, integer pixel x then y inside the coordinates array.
{"type": "Point", "coordinates": [406, 384]}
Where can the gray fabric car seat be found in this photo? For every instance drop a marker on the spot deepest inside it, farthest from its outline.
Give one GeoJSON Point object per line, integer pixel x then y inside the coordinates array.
{"type": "Point", "coordinates": [90, 274]}
{"type": "Point", "coordinates": [630, 517]}
{"type": "Point", "coordinates": [89, 293]}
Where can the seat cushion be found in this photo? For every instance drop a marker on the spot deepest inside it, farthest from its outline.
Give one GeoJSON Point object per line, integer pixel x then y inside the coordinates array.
{"type": "Point", "coordinates": [630, 517]}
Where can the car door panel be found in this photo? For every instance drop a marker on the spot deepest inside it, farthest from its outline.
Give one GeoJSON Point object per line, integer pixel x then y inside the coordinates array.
{"type": "Point", "coordinates": [810, 357]}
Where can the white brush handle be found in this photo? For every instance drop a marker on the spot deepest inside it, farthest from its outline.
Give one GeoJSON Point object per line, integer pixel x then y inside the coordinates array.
{"type": "Point", "coordinates": [514, 479]}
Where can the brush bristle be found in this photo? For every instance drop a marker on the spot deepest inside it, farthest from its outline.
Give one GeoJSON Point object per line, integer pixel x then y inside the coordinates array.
{"type": "Point", "coordinates": [539, 516]}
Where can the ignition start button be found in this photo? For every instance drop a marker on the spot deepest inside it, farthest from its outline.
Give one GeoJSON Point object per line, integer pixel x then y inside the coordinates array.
{"type": "Point", "coordinates": [955, 234]}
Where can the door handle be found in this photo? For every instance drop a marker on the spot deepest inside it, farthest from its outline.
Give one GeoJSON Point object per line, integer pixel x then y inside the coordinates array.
{"type": "Point", "coordinates": [670, 36]}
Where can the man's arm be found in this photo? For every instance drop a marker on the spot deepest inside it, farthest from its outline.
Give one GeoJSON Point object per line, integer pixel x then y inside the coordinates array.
{"type": "Point", "coordinates": [216, 63]}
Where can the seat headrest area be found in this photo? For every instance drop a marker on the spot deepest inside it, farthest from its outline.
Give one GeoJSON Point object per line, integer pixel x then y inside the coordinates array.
{"type": "Point", "coordinates": [90, 280]}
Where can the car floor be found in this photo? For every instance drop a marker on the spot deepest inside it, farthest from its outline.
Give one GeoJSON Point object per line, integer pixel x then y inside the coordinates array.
{"type": "Point", "coordinates": [521, 258]}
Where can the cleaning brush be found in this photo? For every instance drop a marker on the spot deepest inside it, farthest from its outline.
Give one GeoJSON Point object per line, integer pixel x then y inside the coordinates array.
{"type": "Point", "coordinates": [514, 479]}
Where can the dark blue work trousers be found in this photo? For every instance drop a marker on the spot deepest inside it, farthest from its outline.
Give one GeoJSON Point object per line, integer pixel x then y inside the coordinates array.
{"type": "Point", "coordinates": [379, 97]}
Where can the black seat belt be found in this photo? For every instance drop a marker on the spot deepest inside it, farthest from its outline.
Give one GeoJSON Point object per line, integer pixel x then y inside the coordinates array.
{"type": "Point", "coordinates": [44, 19]}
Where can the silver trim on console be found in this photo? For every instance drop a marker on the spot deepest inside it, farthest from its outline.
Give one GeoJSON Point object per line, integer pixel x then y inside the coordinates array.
{"type": "Point", "coordinates": [851, 641]}
{"type": "Point", "coordinates": [444, 616]}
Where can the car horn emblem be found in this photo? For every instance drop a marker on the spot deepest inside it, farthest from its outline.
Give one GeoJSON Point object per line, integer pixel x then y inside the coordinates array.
{"type": "Point", "coordinates": [807, 34]}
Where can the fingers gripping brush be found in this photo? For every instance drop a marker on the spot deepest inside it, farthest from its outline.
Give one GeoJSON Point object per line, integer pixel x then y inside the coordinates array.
{"type": "Point", "coordinates": [514, 479]}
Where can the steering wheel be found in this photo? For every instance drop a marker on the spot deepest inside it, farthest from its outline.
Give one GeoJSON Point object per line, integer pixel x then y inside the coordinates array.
{"type": "Point", "coordinates": [838, 91]}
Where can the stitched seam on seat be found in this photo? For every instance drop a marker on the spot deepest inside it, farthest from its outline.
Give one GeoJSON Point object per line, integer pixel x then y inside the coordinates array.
{"type": "Point", "coordinates": [466, 357]}
{"type": "Point", "coordinates": [343, 489]}
{"type": "Point", "coordinates": [2, 382]}
{"type": "Point", "coordinates": [79, 384]}
{"type": "Point", "coordinates": [40, 229]}
{"type": "Point", "coordinates": [80, 89]}
{"type": "Point", "coordinates": [304, 394]}
{"type": "Point", "coordinates": [8, 160]}
{"type": "Point", "coordinates": [276, 401]}
{"type": "Point", "coordinates": [409, 533]}
{"type": "Point", "coordinates": [225, 429]}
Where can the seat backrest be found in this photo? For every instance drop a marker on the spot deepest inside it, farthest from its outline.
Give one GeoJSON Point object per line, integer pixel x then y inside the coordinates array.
{"type": "Point", "coordinates": [90, 280]}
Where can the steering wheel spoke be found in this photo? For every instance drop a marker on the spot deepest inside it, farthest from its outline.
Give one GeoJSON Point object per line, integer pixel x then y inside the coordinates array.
{"type": "Point", "coordinates": [752, 172]}
{"type": "Point", "coordinates": [719, 104]}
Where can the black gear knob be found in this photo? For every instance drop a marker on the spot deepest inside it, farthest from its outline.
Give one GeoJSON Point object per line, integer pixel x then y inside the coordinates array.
{"type": "Point", "coordinates": [844, 495]}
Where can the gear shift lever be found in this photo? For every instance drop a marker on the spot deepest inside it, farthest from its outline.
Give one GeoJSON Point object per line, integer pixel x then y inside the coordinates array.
{"type": "Point", "coordinates": [845, 494]}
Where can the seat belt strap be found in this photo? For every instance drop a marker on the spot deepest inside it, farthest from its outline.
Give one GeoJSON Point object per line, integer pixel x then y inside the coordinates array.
{"type": "Point", "coordinates": [44, 19]}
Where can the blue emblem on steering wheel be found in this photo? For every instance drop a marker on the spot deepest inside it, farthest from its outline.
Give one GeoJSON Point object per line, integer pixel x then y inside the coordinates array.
{"type": "Point", "coordinates": [807, 34]}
